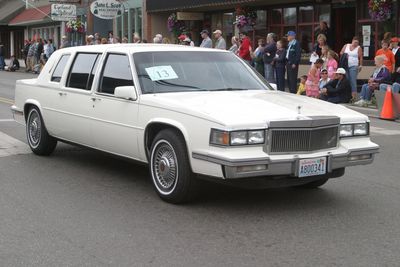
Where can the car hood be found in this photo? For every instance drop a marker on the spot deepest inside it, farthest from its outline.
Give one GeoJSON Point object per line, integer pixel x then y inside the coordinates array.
{"type": "Point", "coordinates": [250, 108]}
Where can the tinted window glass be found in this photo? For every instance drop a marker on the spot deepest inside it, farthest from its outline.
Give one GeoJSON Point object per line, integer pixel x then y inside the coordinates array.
{"type": "Point", "coordinates": [116, 72]}
{"type": "Point", "coordinates": [175, 71]}
{"type": "Point", "coordinates": [60, 68]}
{"type": "Point", "coordinates": [82, 68]}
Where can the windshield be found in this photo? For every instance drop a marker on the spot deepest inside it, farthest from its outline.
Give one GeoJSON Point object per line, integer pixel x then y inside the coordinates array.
{"type": "Point", "coordinates": [182, 71]}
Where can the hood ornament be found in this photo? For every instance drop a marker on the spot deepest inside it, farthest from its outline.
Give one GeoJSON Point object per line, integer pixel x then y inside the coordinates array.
{"type": "Point", "coordinates": [298, 112]}
{"type": "Point", "coordinates": [299, 109]}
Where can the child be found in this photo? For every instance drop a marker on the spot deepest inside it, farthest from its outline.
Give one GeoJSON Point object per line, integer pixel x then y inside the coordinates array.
{"type": "Point", "coordinates": [331, 64]}
{"type": "Point", "coordinates": [324, 79]}
{"type": "Point", "coordinates": [301, 90]}
{"type": "Point", "coordinates": [14, 64]}
{"type": "Point", "coordinates": [312, 88]}
{"type": "Point", "coordinates": [280, 65]}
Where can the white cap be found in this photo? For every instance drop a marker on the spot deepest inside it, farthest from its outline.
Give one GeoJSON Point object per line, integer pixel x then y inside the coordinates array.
{"type": "Point", "coordinates": [340, 71]}
{"type": "Point", "coordinates": [91, 36]}
{"type": "Point", "coordinates": [217, 31]}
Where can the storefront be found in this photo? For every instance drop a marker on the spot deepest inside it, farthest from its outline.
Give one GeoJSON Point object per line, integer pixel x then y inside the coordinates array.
{"type": "Point", "coordinates": [345, 18]}
{"type": "Point", "coordinates": [11, 37]}
{"type": "Point", "coordinates": [130, 21]}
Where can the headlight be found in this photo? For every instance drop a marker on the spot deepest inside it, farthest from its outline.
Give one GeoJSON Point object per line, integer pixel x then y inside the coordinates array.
{"type": "Point", "coordinates": [346, 130]}
{"type": "Point", "coordinates": [356, 129]}
{"type": "Point", "coordinates": [361, 129]}
{"type": "Point", "coordinates": [237, 138]}
{"type": "Point", "coordinates": [256, 137]}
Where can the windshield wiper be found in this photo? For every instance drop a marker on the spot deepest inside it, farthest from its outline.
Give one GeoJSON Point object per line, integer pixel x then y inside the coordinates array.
{"type": "Point", "coordinates": [163, 82]}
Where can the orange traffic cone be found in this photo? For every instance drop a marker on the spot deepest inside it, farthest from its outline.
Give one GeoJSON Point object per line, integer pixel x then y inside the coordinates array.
{"type": "Point", "coordinates": [387, 112]}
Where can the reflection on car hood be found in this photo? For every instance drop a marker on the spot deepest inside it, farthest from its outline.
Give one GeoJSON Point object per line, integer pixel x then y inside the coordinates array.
{"type": "Point", "coordinates": [249, 108]}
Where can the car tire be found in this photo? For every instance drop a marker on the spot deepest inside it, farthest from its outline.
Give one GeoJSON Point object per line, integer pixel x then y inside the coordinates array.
{"type": "Point", "coordinates": [170, 169]}
{"type": "Point", "coordinates": [39, 140]}
{"type": "Point", "coordinates": [314, 184]}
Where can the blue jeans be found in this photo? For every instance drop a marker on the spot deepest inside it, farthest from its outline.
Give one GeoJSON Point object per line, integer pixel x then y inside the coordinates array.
{"type": "Point", "coordinates": [280, 78]}
{"type": "Point", "coordinates": [351, 74]}
{"type": "Point", "coordinates": [2, 63]}
{"type": "Point", "coordinates": [366, 92]}
{"type": "Point", "coordinates": [269, 72]}
{"type": "Point", "coordinates": [395, 87]}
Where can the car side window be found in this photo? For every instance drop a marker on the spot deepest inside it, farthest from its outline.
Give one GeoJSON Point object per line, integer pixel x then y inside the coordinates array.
{"type": "Point", "coordinates": [116, 72]}
{"type": "Point", "coordinates": [82, 71]}
{"type": "Point", "coordinates": [58, 71]}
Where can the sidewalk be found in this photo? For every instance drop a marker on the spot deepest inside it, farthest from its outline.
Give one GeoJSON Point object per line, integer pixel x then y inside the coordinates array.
{"type": "Point", "coordinates": [372, 112]}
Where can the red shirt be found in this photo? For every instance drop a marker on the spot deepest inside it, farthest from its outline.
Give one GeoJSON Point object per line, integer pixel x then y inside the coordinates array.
{"type": "Point", "coordinates": [389, 61]}
{"type": "Point", "coordinates": [244, 50]}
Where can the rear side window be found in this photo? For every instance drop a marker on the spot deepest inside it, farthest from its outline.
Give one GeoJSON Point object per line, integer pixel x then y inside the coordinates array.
{"type": "Point", "coordinates": [82, 71]}
{"type": "Point", "coordinates": [56, 77]}
{"type": "Point", "coordinates": [116, 72]}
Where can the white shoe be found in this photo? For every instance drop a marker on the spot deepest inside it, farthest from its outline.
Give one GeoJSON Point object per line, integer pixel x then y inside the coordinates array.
{"type": "Point", "coordinates": [359, 102]}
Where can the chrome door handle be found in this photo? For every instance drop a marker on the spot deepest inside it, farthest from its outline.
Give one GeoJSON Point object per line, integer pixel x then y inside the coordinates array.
{"type": "Point", "coordinates": [62, 93]}
{"type": "Point", "coordinates": [95, 99]}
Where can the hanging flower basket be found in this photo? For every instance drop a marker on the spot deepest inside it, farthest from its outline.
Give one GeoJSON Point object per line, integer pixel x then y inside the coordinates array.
{"type": "Point", "coordinates": [245, 18]}
{"type": "Point", "coordinates": [175, 26]}
{"type": "Point", "coordinates": [75, 26]}
{"type": "Point", "coordinates": [380, 10]}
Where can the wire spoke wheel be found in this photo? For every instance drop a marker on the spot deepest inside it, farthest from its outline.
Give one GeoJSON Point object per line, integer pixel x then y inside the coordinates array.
{"type": "Point", "coordinates": [34, 129]}
{"type": "Point", "coordinates": [164, 167]}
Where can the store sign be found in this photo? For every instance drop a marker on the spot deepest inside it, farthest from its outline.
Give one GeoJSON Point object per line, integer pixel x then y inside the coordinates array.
{"type": "Point", "coordinates": [61, 12]}
{"type": "Point", "coordinates": [107, 9]}
{"type": "Point", "coordinates": [189, 16]}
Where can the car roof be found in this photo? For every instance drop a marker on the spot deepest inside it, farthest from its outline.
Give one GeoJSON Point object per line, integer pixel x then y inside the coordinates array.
{"type": "Point", "coordinates": [134, 48]}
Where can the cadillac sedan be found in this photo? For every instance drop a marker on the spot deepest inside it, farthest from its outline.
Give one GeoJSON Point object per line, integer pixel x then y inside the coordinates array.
{"type": "Point", "coordinates": [189, 113]}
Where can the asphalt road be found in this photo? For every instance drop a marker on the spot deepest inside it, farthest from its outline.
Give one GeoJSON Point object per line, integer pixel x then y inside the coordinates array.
{"type": "Point", "coordinates": [79, 207]}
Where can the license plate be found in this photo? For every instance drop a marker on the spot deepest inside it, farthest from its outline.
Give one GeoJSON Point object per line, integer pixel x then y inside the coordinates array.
{"type": "Point", "coordinates": [312, 167]}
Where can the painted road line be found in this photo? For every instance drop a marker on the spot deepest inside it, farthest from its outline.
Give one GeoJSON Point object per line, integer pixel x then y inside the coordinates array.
{"type": "Point", "coordinates": [11, 146]}
{"type": "Point", "coordinates": [6, 100]}
{"type": "Point", "coordinates": [382, 131]}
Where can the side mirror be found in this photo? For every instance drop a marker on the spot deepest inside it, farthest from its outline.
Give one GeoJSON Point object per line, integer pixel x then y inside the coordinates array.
{"type": "Point", "coordinates": [125, 92]}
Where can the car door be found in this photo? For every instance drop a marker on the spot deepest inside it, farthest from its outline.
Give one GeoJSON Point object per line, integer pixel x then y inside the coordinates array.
{"type": "Point", "coordinates": [74, 100]}
{"type": "Point", "coordinates": [115, 119]}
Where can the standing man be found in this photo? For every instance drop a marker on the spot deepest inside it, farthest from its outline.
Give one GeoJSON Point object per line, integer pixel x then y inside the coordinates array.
{"type": "Point", "coordinates": [207, 43]}
{"type": "Point", "coordinates": [394, 43]}
{"type": "Point", "coordinates": [268, 57]}
{"type": "Point", "coordinates": [30, 62]}
{"type": "Point", "coordinates": [220, 43]}
{"type": "Point", "coordinates": [245, 47]}
{"type": "Point", "coordinates": [25, 51]}
{"type": "Point", "coordinates": [293, 55]}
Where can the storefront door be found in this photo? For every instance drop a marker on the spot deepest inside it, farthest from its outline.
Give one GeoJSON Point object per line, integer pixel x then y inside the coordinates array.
{"type": "Point", "coordinates": [343, 25]}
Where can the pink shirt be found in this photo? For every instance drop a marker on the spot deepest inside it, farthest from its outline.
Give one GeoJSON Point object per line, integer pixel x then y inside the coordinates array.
{"type": "Point", "coordinates": [331, 66]}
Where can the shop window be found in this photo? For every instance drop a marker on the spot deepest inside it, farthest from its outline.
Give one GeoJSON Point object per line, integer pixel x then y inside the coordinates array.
{"type": "Point", "coordinates": [228, 28]}
{"type": "Point", "coordinates": [260, 29]}
{"type": "Point", "coordinates": [289, 16]}
{"type": "Point", "coordinates": [323, 13]}
{"type": "Point", "coordinates": [305, 34]}
{"type": "Point", "coordinates": [276, 16]}
{"type": "Point", "coordinates": [306, 14]}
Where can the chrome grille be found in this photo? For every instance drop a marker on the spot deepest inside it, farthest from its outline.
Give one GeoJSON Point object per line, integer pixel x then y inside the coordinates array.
{"type": "Point", "coordinates": [302, 140]}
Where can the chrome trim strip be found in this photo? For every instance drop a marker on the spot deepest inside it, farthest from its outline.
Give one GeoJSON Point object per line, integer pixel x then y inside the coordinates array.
{"type": "Point", "coordinates": [309, 122]}
{"type": "Point", "coordinates": [94, 119]}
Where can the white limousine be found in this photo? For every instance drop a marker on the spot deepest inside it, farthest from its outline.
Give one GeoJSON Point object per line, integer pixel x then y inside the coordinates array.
{"type": "Point", "coordinates": [189, 113]}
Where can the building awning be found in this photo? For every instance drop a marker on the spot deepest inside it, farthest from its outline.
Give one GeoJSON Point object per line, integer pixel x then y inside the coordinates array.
{"type": "Point", "coordinates": [157, 5]}
{"type": "Point", "coordinates": [32, 16]}
{"type": "Point", "coordinates": [8, 10]}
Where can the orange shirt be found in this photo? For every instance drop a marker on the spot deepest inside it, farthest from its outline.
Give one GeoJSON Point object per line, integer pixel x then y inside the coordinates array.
{"type": "Point", "coordinates": [390, 61]}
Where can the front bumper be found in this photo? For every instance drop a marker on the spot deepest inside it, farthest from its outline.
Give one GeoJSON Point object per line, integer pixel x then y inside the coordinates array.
{"type": "Point", "coordinates": [287, 165]}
